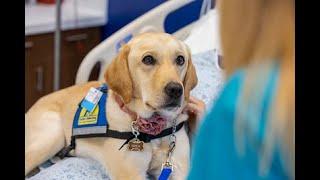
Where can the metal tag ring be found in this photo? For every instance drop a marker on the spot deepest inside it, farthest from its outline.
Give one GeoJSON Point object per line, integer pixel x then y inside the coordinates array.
{"type": "Point", "coordinates": [172, 138]}
{"type": "Point", "coordinates": [134, 131]}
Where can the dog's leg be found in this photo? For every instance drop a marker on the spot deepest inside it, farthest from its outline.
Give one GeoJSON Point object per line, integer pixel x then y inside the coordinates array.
{"type": "Point", "coordinates": [130, 165]}
{"type": "Point", "coordinates": [119, 164]}
{"type": "Point", "coordinates": [44, 137]}
{"type": "Point", "coordinates": [181, 156]}
{"type": "Point", "coordinates": [124, 171]}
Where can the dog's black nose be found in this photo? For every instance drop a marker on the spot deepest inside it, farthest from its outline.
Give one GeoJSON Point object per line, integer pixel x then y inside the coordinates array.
{"type": "Point", "coordinates": [173, 90]}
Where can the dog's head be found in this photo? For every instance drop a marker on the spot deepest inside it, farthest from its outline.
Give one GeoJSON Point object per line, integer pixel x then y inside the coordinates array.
{"type": "Point", "coordinates": [155, 69]}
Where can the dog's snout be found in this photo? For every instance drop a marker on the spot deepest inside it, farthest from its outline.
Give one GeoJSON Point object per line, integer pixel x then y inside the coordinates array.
{"type": "Point", "coordinates": [174, 90]}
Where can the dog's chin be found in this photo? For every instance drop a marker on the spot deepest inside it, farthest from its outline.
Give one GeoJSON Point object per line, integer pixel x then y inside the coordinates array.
{"type": "Point", "coordinates": [170, 113]}
{"type": "Point", "coordinates": [167, 110]}
{"type": "Point", "coordinates": [171, 107]}
{"type": "Point", "coordinates": [170, 110]}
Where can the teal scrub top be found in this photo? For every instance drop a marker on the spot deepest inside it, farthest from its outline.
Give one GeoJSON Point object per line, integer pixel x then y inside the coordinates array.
{"type": "Point", "coordinates": [214, 155]}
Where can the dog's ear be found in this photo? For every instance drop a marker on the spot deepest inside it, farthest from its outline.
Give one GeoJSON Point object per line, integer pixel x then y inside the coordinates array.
{"type": "Point", "coordinates": [118, 76]}
{"type": "Point", "coordinates": [190, 79]}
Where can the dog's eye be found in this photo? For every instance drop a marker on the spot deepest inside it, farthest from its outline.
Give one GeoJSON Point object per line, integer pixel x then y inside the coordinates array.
{"type": "Point", "coordinates": [180, 60]}
{"type": "Point", "coordinates": [148, 60]}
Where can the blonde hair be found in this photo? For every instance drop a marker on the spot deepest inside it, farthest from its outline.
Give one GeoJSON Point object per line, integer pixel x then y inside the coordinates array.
{"type": "Point", "coordinates": [254, 35]}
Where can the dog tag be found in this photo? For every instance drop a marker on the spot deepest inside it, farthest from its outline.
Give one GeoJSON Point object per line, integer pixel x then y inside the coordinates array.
{"type": "Point", "coordinates": [166, 171]}
{"type": "Point", "coordinates": [135, 145]}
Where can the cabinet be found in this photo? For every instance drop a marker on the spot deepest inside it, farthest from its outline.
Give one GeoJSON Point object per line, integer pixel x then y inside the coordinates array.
{"type": "Point", "coordinates": [75, 45]}
{"type": "Point", "coordinates": [39, 60]}
{"type": "Point", "coordinates": [38, 67]}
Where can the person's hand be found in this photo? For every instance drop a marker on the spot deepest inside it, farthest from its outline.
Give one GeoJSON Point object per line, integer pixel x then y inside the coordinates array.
{"type": "Point", "coordinates": [196, 109]}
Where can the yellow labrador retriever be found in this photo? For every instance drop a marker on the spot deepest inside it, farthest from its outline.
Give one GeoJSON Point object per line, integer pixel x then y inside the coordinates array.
{"type": "Point", "coordinates": [153, 73]}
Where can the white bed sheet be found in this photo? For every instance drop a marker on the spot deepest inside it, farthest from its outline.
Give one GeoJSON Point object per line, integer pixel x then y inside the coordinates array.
{"type": "Point", "coordinates": [210, 77]}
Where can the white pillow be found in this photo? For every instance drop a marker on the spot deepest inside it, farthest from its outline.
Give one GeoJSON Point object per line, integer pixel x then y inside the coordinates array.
{"type": "Point", "coordinates": [204, 35]}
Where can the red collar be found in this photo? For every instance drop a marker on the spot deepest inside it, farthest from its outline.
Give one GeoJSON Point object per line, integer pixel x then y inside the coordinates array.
{"type": "Point", "coordinates": [153, 125]}
{"type": "Point", "coordinates": [124, 108]}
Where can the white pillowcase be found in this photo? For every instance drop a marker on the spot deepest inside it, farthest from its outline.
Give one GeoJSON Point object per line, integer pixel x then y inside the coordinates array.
{"type": "Point", "coordinates": [205, 35]}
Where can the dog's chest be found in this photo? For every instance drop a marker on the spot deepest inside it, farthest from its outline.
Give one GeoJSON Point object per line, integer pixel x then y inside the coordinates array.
{"type": "Point", "coordinates": [159, 148]}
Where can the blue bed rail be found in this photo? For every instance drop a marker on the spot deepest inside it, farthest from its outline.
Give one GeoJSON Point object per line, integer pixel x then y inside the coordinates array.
{"type": "Point", "coordinates": [122, 12]}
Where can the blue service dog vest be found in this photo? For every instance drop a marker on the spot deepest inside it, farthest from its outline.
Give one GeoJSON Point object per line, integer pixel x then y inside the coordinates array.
{"type": "Point", "coordinates": [95, 122]}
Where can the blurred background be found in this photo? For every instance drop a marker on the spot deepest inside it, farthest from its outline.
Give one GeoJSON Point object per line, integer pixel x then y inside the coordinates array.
{"type": "Point", "coordinates": [54, 49]}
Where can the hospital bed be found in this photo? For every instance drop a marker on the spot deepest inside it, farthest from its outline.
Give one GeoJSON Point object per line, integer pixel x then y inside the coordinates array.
{"type": "Point", "coordinates": [203, 40]}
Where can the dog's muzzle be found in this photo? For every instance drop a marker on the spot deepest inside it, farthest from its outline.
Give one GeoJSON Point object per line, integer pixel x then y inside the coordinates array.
{"type": "Point", "coordinates": [174, 92]}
